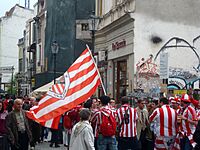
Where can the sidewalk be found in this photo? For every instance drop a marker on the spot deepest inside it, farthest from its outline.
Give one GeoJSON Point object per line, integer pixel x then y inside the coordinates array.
{"type": "Point", "coordinates": [45, 146]}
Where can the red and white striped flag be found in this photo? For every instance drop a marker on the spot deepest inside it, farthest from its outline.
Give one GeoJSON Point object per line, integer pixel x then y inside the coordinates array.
{"type": "Point", "coordinates": [80, 82]}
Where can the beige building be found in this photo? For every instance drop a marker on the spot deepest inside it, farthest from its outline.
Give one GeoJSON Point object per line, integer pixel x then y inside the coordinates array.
{"type": "Point", "coordinates": [132, 32]}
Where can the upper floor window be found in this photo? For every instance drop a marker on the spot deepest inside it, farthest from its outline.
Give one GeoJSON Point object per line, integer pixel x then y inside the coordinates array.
{"type": "Point", "coordinates": [84, 26]}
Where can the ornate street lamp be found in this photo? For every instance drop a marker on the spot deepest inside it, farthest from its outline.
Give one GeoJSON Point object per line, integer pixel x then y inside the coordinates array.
{"type": "Point", "coordinates": [54, 49]}
{"type": "Point", "coordinates": [93, 24]}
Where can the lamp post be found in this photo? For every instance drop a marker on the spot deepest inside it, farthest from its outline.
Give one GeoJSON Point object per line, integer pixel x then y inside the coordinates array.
{"type": "Point", "coordinates": [93, 23]}
{"type": "Point", "coordinates": [54, 49]}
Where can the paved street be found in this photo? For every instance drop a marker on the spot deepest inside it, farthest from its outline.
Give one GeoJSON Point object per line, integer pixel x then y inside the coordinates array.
{"type": "Point", "coordinates": [45, 146]}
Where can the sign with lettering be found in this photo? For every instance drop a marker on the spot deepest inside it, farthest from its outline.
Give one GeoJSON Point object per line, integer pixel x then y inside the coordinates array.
{"type": "Point", "coordinates": [24, 86]}
{"type": "Point", "coordinates": [177, 81]}
{"type": "Point", "coordinates": [8, 69]}
{"type": "Point", "coordinates": [164, 66]}
{"type": "Point", "coordinates": [180, 92]}
{"type": "Point", "coordinates": [118, 45]}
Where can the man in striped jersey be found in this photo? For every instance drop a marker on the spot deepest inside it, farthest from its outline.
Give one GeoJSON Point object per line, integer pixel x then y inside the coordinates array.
{"type": "Point", "coordinates": [103, 142]}
{"type": "Point", "coordinates": [127, 117]}
{"type": "Point", "coordinates": [165, 119]}
{"type": "Point", "coordinates": [188, 123]}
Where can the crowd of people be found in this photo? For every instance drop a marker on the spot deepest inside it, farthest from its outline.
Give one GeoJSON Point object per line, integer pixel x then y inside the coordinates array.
{"type": "Point", "coordinates": [102, 124]}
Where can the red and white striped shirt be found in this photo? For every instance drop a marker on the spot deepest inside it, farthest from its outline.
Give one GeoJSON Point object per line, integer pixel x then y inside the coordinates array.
{"type": "Point", "coordinates": [186, 127]}
{"type": "Point", "coordinates": [127, 130]}
{"type": "Point", "coordinates": [198, 114]}
{"type": "Point", "coordinates": [96, 118]}
{"type": "Point", "coordinates": [165, 119]}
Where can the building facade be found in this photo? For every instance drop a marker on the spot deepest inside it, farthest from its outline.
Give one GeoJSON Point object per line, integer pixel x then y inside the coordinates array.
{"type": "Point", "coordinates": [134, 34]}
{"type": "Point", "coordinates": [11, 29]}
{"type": "Point", "coordinates": [63, 22]}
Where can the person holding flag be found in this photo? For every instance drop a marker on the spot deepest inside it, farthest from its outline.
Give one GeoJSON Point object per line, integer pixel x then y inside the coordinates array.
{"type": "Point", "coordinates": [77, 84]}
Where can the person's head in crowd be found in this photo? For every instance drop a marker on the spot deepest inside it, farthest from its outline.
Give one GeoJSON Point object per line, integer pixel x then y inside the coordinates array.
{"type": "Point", "coordinates": [32, 101]}
{"type": "Point", "coordinates": [26, 99]}
{"type": "Point", "coordinates": [104, 100]}
{"type": "Point", "coordinates": [84, 114]}
{"type": "Point", "coordinates": [94, 102]}
{"type": "Point", "coordinates": [98, 103]}
{"type": "Point", "coordinates": [153, 105]}
{"type": "Point", "coordinates": [141, 103]}
{"type": "Point", "coordinates": [7, 96]}
{"type": "Point", "coordinates": [173, 102]}
{"type": "Point", "coordinates": [18, 104]}
{"type": "Point", "coordinates": [185, 100]}
{"type": "Point", "coordinates": [112, 102]}
{"type": "Point", "coordinates": [164, 101]}
{"type": "Point", "coordinates": [1, 107]}
{"type": "Point", "coordinates": [13, 97]}
{"type": "Point", "coordinates": [124, 100]}
{"type": "Point", "coordinates": [10, 105]}
{"type": "Point", "coordinates": [149, 107]}
{"type": "Point", "coordinates": [88, 104]}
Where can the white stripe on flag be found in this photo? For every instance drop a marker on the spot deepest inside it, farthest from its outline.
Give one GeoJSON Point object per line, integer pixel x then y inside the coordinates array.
{"type": "Point", "coordinates": [49, 123]}
{"type": "Point", "coordinates": [67, 100]}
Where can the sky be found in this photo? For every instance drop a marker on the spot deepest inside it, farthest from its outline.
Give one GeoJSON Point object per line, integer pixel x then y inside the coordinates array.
{"type": "Point", "coordinates": [6, 5]}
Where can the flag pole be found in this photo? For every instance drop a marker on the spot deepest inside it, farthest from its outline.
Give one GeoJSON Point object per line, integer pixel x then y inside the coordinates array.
{"type": "Point", "coordinates": [97, 70]}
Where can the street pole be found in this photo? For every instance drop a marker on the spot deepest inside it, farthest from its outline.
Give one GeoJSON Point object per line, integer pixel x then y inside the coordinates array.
{"type": "Point", "coordinates": [54, 49]}
{"type": "Point", "coordinates": [54, 76]}
{"type": "Point", "coordinates": [94, 20]}
{"type": "Point", "coordinates": [12, 80]}
{"type": "Point", "coordinates": [93, 41]}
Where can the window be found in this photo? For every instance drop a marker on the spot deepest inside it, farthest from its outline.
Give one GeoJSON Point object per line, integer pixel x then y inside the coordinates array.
{"type": "Point", "coordinates": [84, 27]}
{"type": "Point", "coordinates": [20, 64]}
{"type": "Point", "coordinates": [39, 56]}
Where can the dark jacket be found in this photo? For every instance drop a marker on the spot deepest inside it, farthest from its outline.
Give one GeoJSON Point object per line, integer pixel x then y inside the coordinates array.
{"type": "Point", "coordinates": [196, 136]}
{"type": "Point", "coordinates": [11, 125]}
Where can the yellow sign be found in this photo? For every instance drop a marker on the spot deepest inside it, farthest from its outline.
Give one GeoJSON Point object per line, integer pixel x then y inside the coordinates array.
{"type": "Point", "coordinates": [180, 92]}
{"type": "Point", "coordinates": [33, 82]}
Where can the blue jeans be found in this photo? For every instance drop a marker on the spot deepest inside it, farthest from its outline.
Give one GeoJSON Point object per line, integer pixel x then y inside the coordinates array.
{"type": "Point", "coordinates": [104, 143]}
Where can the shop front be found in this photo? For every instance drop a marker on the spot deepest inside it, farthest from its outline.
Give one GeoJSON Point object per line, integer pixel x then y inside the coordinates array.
{"type": "Point", "coordinates": [117, 41]}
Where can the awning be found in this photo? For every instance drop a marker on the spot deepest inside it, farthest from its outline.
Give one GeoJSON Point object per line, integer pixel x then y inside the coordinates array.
{"type": "Point", "coordinates": [44, 88]}
{"type": "Point", "coordinates": [41, 90]}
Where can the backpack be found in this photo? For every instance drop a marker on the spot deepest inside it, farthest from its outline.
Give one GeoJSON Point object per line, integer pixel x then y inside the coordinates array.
{"type": "Point", "coordinates": [67, 122]}
{"type": "Point", "coordinates": [107, 124]}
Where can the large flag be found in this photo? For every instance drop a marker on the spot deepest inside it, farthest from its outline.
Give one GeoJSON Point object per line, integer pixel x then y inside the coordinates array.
{"type": "Point", "coordinates": [77, 84]}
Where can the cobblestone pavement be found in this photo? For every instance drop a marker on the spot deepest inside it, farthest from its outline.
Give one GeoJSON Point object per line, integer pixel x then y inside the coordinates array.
{"type": "Point", "coordinates": [45, 146]}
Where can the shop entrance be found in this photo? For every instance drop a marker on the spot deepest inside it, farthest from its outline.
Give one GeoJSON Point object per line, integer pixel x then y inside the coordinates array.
{"type": "Point", "coordinates": [120, 79]}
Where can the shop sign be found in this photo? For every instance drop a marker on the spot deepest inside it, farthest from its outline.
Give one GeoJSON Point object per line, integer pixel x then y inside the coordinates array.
{"type": "Point", "coordinates": [163, 65]}
{"type": "Point", "coordinates": [8, 69]}
{"type": "Point", "coordinates": [179, 82]}
{"type": "Point", "coordinates": [24, 86]}
{"type": "Point", "coordinates": [180, 92]}
{"type": "Point", "coordinates": [118, 45]}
